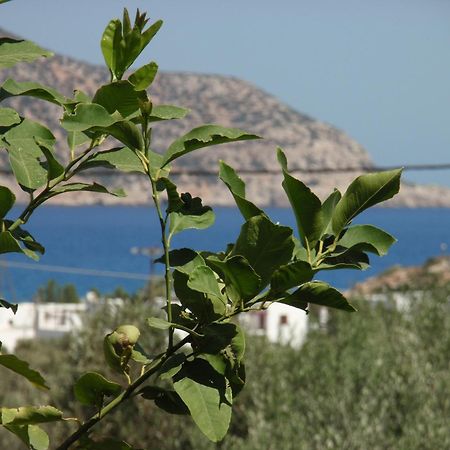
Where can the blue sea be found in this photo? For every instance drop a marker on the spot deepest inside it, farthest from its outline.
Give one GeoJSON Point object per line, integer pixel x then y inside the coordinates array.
{"type": "Point", "coordinates": [99, 238]}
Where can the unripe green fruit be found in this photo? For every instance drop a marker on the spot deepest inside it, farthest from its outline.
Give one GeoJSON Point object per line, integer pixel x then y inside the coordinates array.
{"type": "Point", "coordinates": [117, 346]}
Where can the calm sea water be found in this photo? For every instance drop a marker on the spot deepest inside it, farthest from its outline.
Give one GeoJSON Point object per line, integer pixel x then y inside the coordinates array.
{"type": "Point", "coordinates": [101, 238]}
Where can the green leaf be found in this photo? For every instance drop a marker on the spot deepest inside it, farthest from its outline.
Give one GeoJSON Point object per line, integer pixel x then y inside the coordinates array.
{"type": "Point", "coordinates": [77, 138]}
{"type": "Point", "coordinates": [305, 204]}
{"type": "Point", "coordinates": [350, 259]}
{"type": "Point", "coordinates": [12, 88]}
{"type": "Point", "coordinates": [184, 259]}
{"type": "Point", "coordinates": [203, 279]}
{"type": "Point", "coordinates": [4, 304]}
{"type": "Point", "coordinates": [7, 199]}
{"type": "Point", "coordinates": [53, 167]}
{"type": "Point", "coordinates": [367, 238]}
{"type": "Point", "coordinates": [94, 187]}
{"type": "Point", "coordinates": [109, 42]}
{"type": "Point", "coordinates": [204, 308]}
{"type": "Point", "coordinates": [366, 191]}
{"type": "Point", "coordinates": [14, 51]}
{"type": "Point", "coordinates": [189, 213]}
{"type": "Point", "coordinates": [265, 246]}
{"type": "Point", "coordinates": [328, 207]}
{"type": "Point", "coordinates": [241, 281]}
{"type": "Point", "coordinates": [22, 368]}
{"type": "Point", "coordinates": [291, 275]}
{"type": "Point", "coordinates": [25, 154]}
{"type": "Point", "coordinates": [122, 158]}
{"type": "Point", "coordinates": [157, 322]}
{"type": "Point", "coordinates": [8, 117]}
{"type": "Point", "coordinates": [318, 293]}
{"type": "Point", "coordinates": [91, 388]}
{"type": "Point", "coordinates": [237, 188]}
{"type": "Point", "coordinates": [29, 415]}
{"type": "Point", "coordinates": [171, 366]}
{"type": "Point", "coordinates": [119, 96]}
{"type": "Point", "coordinates": [218, 336]}
{"type": "Point", "coordinates": [204, 136]}
{"type": "Point", "coordinates": [143, 77]}
{"type": "Point", "coordinates": [86, 116]}
{"type": "Point", "coordinates": [166, 399]}
{"type": "Point", "coordinates": [126, 132]}
{"type": "Point", "coordinates": [167, 112]}
{"type": "Point", "coordinates": [208, 398]}
{"type": "Point", "coordinates": [9, 244]}
{"type": "Point", "coordinates": [33, 436]}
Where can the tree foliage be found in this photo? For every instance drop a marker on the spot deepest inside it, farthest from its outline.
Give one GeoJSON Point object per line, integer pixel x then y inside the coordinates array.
{"type": "Point", "coordinates": [201, 374]}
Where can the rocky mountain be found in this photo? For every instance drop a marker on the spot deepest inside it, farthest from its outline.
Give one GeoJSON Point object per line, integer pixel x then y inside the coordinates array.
{"type": "Point", "coordinates": [435, 273]}
{"type": "Point", "coordinates": [308, 143]}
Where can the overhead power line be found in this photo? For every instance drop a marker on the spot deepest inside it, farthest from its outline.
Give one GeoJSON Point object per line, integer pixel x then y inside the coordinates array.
{"type": "Point", "coordinates": [200, 172]}
{"type": "Point", "coordinates": [74, 270]}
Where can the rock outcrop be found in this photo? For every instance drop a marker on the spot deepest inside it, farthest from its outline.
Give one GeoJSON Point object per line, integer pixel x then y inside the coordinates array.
{"type": "Point", "coordinates": [308, 143]}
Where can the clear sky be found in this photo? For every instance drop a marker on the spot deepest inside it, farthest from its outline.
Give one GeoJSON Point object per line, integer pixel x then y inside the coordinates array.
{"type": "Point", "coordinates": [379, 70]}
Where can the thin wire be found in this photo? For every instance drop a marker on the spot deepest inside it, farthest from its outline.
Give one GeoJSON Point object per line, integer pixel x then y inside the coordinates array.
{"type": "Point", "coordinates": [190, 172]}
{"type": "Point", "coordinates": [74, 270]}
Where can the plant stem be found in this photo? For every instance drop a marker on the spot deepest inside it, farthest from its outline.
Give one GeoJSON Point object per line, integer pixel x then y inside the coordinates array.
{"type": "Point", "coordinates": [166, 248]}
{"type": "Point", "coordinates": [113, 404]}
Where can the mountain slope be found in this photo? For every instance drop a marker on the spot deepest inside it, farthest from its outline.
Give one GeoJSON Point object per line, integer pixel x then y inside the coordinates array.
{"type": "Point", "coordinates": [309, 144]}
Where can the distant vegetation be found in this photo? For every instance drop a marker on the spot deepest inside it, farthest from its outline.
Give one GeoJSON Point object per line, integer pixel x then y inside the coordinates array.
{"type": "Point", "coordinates": [374, 380]}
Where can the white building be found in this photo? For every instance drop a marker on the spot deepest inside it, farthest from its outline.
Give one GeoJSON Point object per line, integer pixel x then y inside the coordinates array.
{"type": "Point", "coordinates": [281, 324]}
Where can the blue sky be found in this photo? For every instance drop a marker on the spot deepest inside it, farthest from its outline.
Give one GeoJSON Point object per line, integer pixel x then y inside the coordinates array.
{"type": "Point", "coordinates": [379, 70]}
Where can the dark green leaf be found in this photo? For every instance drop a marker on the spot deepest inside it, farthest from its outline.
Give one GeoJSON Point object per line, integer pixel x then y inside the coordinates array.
{"type": "Point", "coordinates": [172, 366]}
{"type": "Point", "coordinates": [9, 244]}
{"type": "Point", "coordinates": [204, 136]}
{"type": "Point", "coordinates": [5, 304]}
{"type": "Point", "coordinates": [184, 259]}
{"type": "Point", "coordinates": [91, 388]}
{"type": "Point", "coordinates": [126, 132]}
{"type": "Point", "coordinates": [13, 51]}
{"type": "Point", "coordinates": [22, 368]}
{"type": "Point", "coordinates": [328, 207]}
{"type": "Point", "coordinates": [204, 308]}
{"type": "Point", "coordinates": [166, 399]}
{"type": "Point", "coordinates": [7, 199]}
{"type": "Point", "coordinates": [109, 42]}
{"type": "Point", "coordinates": [94, 187]}
{"type": "Point", "coordinates": [367, 238]}
{"type": "Point", "coordinates": [122, 158]}
{"type": "Point", "coordinates": [241, 281]}
{"type": "Point", "coordinates": [291, 275]}
{"type": "Point", "coordinates": [12, 88]}
{"type": "Point", "coordinates": [119, 96]}
{"type": "Point", "coordinates": [237, 189]}
{"type": "Point", "coordinates": [265, 246]}
{"type": "Point", "coordinates": [318, 293]}
{"type": "Point", "coordinates": [144, 76]}
{"type": "Point", "coordinates": [305, 204]}
{"type": "Point", "coordinates": [218, 336]}
{"type": "Point", "coordinates": [190, 213]}
{"type": "Point", "coordinates": [366, 191]}
{"type": "Point", "coordinates": [350, 259]}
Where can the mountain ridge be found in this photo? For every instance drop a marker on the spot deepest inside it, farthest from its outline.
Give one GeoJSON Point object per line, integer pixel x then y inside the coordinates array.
{"type": "Point", "coordinates": [229, 101]}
